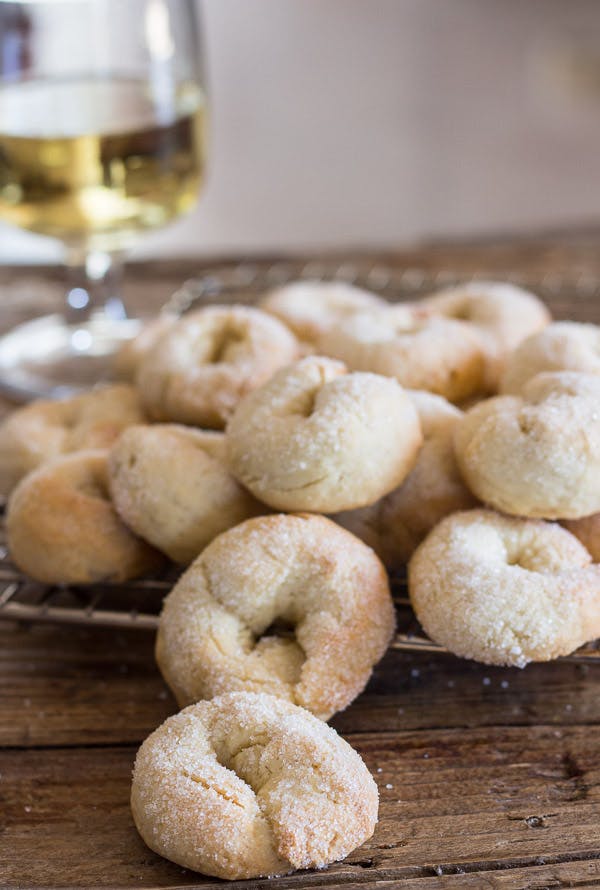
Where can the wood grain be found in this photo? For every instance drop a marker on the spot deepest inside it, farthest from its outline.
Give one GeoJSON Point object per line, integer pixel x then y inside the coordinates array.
{"type": "Point", "coordinates": [494, 773]}
{"type": "Point", "coordinates": [451, 802]}
{"type": "Point", "coordinates": [71, 686]}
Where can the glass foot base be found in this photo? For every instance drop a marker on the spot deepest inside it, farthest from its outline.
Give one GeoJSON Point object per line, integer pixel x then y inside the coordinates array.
{"type": "Point", "coordinates": [50, 358]}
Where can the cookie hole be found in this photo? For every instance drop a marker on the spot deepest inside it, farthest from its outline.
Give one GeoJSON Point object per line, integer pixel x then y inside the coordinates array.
{"type": "Point", "coordinates": [279, 628]}
{"type": "Point", "coordinates": [306, 404]}
{"type": "Point", "coordinates": [279, 650]}
{"type": "Point", "coordinates": [529, 558]}
{"type": "Point", "coordinates": [525, 425]}
{"type": "Point", "coordinates": [95, 488]}
{"type": "Point", "coordinates": [223, 342]}
{"type": "Point", "coordinates": [71, 419]}
{"type": "Point", "coordinates": [461, 313]}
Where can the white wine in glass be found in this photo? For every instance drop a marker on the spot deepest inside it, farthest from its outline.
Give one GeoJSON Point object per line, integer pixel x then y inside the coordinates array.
{"type": "Point", "coordinates": [102, 113]}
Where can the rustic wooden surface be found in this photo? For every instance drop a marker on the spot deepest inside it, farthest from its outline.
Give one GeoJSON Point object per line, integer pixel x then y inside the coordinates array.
{"type": "Point", "coordinates": [488, 777]}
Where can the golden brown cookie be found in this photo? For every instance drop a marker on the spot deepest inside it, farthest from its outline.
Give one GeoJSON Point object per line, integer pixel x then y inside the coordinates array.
{"type": "Point", "coordinates": [46, 429]}
{"type": "Point", "coordinates": [197, 372]}
{"type": "Point", "coordinates": [171, 486]}
{"type": "Point", "coordinates": [503, 590]}
{"type": "Point", "coordinates": [219, 627]}
{"type": "Point", "coordinates": [538, 454]}
{"type": "Point", "coordinates": [318, 438]}
{"type": "Point", "coordinates": [63, 529]}
{"type": "Point", "coordinates": [395, 525]}
{"type": "Point", "coordinates": [248, 786]}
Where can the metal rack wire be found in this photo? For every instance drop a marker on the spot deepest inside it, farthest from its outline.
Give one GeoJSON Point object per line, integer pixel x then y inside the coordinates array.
{"type": "Point", "coordinates": [136, 604]}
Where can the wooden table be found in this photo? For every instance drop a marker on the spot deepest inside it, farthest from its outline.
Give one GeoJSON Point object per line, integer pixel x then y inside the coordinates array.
{"type": "Point", "coordinates": [488, 777]}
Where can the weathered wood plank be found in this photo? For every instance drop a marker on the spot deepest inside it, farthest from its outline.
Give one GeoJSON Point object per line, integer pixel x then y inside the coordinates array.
{"type": "Point", "coordinates": [476, 800]}
{"type": "Point", "coordinates": [72, 686]}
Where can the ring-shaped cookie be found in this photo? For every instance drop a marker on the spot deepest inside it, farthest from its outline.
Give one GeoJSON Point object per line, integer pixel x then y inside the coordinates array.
{"type": "Point", "coordinates": [63, 529]}
{"type": "Point", "coordinates": [131, 353]}
{"type": "Point", "coordinates": [320, 439]}
{"type": "Point", "coordinates": [247, 785]}
{"type": "Point", "coordinates": [502, 315]}
{"type": "Point", "coordinates": [440, 355]}
{"type": "Point", "coordinates": [46, 429]}
{"type": "Point", "coordinates": [537, 454]}
{"type": "Point", "coordinates": [561, 346]}
{"type": "Point", "coordinates": [197, 372]}
{"type": "Point", "coordinates": [170, 484]}
{"type": "Point", "coordinates": [309, 308]}
{"type": "Point", "coordinates": [302, 571]}
{"type": "Point", "coordinates": [503, 590]}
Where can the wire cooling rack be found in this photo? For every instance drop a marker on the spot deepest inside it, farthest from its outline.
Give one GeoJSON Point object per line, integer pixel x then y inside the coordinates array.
{"type": "Point", "coordinates": [136, 604]}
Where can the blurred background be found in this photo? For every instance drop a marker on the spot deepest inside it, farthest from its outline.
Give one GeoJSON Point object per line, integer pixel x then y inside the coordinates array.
{"type": "Point", "coordinates": [345, 123]}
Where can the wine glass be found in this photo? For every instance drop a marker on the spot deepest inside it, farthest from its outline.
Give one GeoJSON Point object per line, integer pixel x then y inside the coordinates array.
{"type": "Point", "coordinates": [102, 112]}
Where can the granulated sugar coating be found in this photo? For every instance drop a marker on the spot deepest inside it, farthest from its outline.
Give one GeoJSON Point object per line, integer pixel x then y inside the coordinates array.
{"type": "Point", "coordinates": [249, 785]}
{"type": "Point", "coordinates": [50, 428]}
{"type": "Point", "coordinates": [562, 346]}
{"type": "Point", "coordinates": [318, 438]}
{"type": "Point", "coordinates": [309, 308]}
{"type": "Point", "coordinates": [201, 367]}
{"type": "Point", "coordinates": [396, 524]}
{"type": "Point", "coordinates": [63, 529]}
{"type": "Point", "coordinates": [170, 485]}
{"type": "Point", "coordinates": [300, 570]}
{"type": "Point", "coordinates": [502, 315]}
{"type": "Point", "coordinates": [503, 590]}
{"type": "Point", "coordinates": [538, 454]}
{"type": "Point", "coordinates": [416, 348]}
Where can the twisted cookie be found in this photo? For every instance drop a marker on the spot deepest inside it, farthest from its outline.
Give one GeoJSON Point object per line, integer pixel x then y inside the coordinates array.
{"type": "Point", "coordinates": [562, 346]}
{"type": "Point", "coordinates": [537, 454]}
{"type": "Point", "coordinates": [47, 429]}
{"type": "Point", "coordinates": [198, 370]}
{"type": "Point", "coordinates": [505, 591]}
{"type": "Point", "coordinates": [303, 571]}
{"type": "Point", "coordinates": [170, 484]}
{"type": "Point", "coordinates": [248, 785]}
{"type": "Point", "coordinates": [501, 314]}
{"type": "Point", "coordinates": [396, 524]}
{"type": "Point", "coordinates": [63, 529]}
{"type": "Point", "coordinates": [317, 438]}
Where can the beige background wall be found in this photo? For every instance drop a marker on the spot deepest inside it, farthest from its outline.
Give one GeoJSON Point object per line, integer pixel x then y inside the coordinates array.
{"type": "Point", "coordinates": [346, 122]}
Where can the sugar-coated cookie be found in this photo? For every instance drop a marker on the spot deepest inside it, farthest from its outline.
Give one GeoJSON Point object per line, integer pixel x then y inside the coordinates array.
{"type": "Point", "coordinates": [293, 605]}
{"type": "Point", "coordinates": [320, 439]}
{"type": "Point", "coordinates": [248, 786]}
{"type": "Point", "coordinates": [503, 590]}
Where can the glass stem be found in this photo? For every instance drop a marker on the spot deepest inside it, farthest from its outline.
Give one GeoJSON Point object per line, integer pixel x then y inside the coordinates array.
{"type": "Point", "coordinates": [94, 282]}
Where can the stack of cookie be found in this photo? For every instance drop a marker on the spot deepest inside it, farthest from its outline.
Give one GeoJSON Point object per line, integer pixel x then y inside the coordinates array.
{"type": "Point", "coordinates": [287, 455]}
